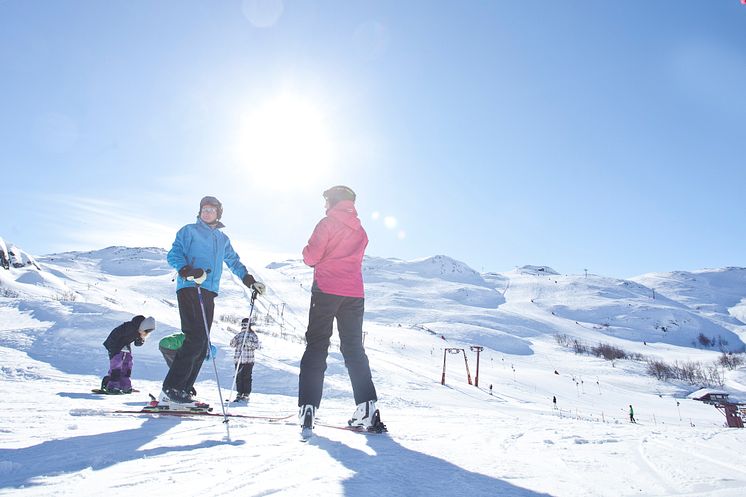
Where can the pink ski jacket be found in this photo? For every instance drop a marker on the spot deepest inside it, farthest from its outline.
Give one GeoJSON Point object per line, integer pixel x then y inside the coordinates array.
{"type": "Point", "coordinates": [335, 251]}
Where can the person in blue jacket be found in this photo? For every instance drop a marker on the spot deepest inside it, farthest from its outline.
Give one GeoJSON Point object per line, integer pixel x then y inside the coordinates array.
{"type": "Point", "coordinates": [198, 253]}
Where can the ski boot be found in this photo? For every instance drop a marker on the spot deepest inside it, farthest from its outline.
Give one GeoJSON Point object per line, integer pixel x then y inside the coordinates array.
{"type": "Point", "coordinates": [367, 417]}
{"type": "Point", "coordinates": [179, 400]}
{"type": "Point", "coordinates": [306, 416]}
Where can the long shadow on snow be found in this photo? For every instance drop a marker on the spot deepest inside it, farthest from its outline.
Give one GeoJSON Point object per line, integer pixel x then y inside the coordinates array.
{"type": "Point", "coordinates": [69, 455]}
{"type": "Point", "coordinates": [397, 471]}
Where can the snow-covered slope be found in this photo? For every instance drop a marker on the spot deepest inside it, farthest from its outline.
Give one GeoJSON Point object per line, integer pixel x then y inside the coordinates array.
{"type": "Point", "coordinates": [715, 293]}
{"type": "Point", "coordinates": [500, 438]}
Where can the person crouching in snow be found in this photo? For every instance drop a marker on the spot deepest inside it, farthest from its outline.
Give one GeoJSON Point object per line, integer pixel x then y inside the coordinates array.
{"type": "Point", "coordinates": [170, 345]}
{"type": "Point", "coordinates": [120, 354]}
{"type": "Point", "coordinates": [245, 342]}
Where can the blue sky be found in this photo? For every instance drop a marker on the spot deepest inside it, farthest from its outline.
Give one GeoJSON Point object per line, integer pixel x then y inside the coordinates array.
{"type": "Point", "coordinates": [606, 135]}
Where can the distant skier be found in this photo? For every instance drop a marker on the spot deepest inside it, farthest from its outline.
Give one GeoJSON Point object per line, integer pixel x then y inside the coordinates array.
{"type": "Point", "coordinates": [245, 342]}
{"type": "Point", "coordinates": [198, 253]}
{"type": "Point", "coordinates": [554, 401]}
{"type": "Point", "coordinates": [631, 414]}
{"type": "Point", "coordinates": [335, 251]}
{"type": "Point", "coordinates": [170, 344]}
{"type": "Point", "coordinates": [117, 344]}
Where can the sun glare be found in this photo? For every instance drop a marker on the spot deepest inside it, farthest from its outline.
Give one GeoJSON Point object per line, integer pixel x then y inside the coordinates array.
{"type": "Point", "coordinates": [285, 143]}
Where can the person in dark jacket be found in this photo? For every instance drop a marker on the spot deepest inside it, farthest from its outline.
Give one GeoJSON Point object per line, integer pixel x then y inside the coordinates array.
{"type": "Point", "coordinates": [335, 251]}
{"type": "Point", "coordinates": [198, 253]}
{"type": "Point", "coordinates": [120, 353]}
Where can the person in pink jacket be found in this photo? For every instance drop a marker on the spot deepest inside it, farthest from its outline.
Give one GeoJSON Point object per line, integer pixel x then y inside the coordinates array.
{"type": "Point", "coordinates": [335, 251]}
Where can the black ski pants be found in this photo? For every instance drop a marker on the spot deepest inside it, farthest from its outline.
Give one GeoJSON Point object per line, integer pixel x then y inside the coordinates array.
{"type": "Point", "coordinates": [243, 378]}
{"type": "Point", "coordinates": [348, 312]}
{"type": "Point", "coordinates": [188, 361]}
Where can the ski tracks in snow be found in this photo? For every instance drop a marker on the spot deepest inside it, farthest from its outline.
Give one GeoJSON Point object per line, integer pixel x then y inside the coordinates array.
{"type": "Point", "coordinates": [687, 470]}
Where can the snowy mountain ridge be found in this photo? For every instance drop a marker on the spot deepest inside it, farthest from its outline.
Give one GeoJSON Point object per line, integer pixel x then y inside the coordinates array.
{"type": "Point", "coordinates": [444, 294]}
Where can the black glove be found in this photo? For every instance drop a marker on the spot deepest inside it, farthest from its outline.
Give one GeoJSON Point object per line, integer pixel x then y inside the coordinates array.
{"type": "Point", "coordinates": [188, 271]}
{"type": "Point", "coordinates": [254, 285]}
{"type": "Point", "coordinates": [248, 280]}
{"type": "Point", "coordinates": [139, 342]}
{"type": "Point", "coordinates": [196, 275]}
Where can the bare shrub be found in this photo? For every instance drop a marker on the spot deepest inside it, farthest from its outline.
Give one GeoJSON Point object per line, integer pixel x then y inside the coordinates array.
{"type": "Point", "coordinates": [562, 339]}
{"type": "Point", "coordinates": [694, 373]}
{"type": "Point", "coordinates": [7, 292]}
{"type": "Point", "coordinates": [713, 377]}
{"type": "Point", "coordinates": [66, 296]}
{"type": "Point", "coordinates": [579, 347]}
{"type": "Point", "coordinates": [608, 352]}
{"type": "Point", "coordinates": [690, 372]}
{"type": "Point", "coordinates": [659, 369]}
{"type": "Point", "coordinates": [730, 361]}
{"type": "Point", "coordinates": [231, 318]}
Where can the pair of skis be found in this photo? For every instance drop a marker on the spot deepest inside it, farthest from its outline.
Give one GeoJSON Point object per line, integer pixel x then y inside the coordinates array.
{"type": "Point", "coordinates": [104, 391]}
{"type": "Point", "coordinates": [202, 409]}
{"type": "Point", "coordinates": [197, 411]}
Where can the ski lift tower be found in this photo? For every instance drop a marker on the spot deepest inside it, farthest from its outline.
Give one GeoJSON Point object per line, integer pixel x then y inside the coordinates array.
{"type": "Point", "coordinates": [455, 351]}
{"type": "Point", "coordinates": [734, 412]}
{"type": "Point", "coordinates": [477, 349]}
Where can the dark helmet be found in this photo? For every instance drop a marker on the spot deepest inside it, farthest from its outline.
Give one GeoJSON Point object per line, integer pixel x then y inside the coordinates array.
{"type": "Point", "coordinates": [246, 324]}
{"type": "Point", "coordinates": [209, 200]}
{"type": "Point", "coordinates": [338, 193]}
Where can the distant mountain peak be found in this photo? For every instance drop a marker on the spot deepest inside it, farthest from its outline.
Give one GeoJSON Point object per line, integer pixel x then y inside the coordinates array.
{"type": "Point", "coordinates": [11, 255]}
{"type": "Point", "coordinates": [437, 266]}
{"type": "Point", "coordinates": [529, 269]}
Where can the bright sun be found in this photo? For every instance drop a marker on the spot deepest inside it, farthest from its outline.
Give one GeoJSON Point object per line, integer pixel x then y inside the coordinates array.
{"type": "Point", "coordinates": [285, 143]}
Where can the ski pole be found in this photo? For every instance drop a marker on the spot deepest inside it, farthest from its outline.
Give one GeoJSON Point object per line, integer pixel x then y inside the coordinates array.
{"type": "Point", "coordinates": [214, 366]}
{"type": "Point", "coordinates": [254, 293]}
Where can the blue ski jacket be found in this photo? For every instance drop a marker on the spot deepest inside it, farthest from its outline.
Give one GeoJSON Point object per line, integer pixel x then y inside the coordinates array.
{"type": "Point", "coordinates": [202, 246]}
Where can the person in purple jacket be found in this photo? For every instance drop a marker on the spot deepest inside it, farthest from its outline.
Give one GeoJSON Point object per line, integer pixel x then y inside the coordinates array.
{"type": "Point", "coordinates": [335, 251]}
